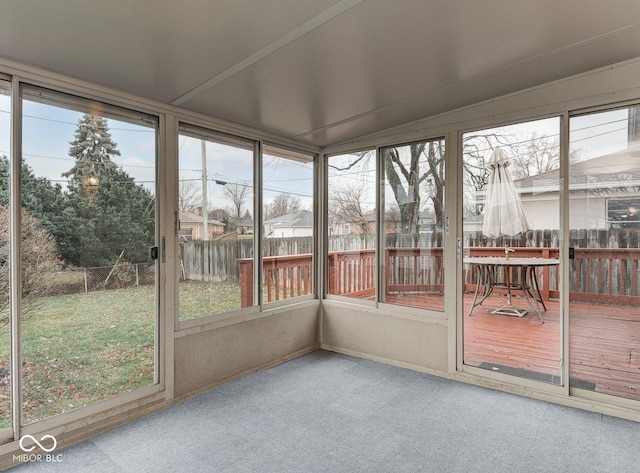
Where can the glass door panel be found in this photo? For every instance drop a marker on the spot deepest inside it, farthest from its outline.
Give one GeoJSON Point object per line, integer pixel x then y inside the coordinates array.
{"type": "Point", "coordinates": [412, 225]}
{"type": "Point", "coordinates": [512, 318]}
{"type": "Point", "coordinates": [5, 325]}
{"type": "Point", "coordinates": [604, 204]}
{"type": "Point", "coordinates": [88, 308]}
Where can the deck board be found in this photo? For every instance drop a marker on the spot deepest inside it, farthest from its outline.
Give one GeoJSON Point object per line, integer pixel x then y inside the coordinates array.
{"type": "Point", "coordinates": [604, 341]}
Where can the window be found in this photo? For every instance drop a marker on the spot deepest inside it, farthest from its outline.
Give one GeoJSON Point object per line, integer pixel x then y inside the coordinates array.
{"type": "Point", "coordinates": [289, 229]}
{"type": "Point", "coordinates": [412, 225]}
{"type": "Point", "coordinates": [216, 219]}
{"type": "Point", "coordinates": [623, 212]}
{"type": "Point", "coordinates": [351, 263]}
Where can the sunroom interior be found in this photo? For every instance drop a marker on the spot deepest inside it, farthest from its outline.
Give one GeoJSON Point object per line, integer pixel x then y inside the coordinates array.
{"type": "Point", "coordinates": [193, 194]}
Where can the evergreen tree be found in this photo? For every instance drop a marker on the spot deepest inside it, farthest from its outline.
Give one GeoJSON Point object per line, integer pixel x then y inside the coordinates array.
{"type": "Point", "coordinates": [92, 149]}
{"type": "Point", "coordinates": [40, 197]}
{"type": "Point", "coordinates": [106, 212]}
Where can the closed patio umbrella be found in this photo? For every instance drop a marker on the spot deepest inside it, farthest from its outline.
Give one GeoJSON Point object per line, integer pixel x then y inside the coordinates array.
{"type": "Point", "coordinates": [503, 212]}
{"type": "Point", "coordinates": [503, 215]}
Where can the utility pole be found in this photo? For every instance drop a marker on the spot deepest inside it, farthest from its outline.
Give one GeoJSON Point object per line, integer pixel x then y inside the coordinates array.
{"type": "Point", "coordinates": [633, 126]}
{"type": "Point", "coordinates": [205, 204]}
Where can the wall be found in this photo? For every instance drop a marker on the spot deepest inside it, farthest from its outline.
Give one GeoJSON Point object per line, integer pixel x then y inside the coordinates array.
{"type": "Point", "coordinates": [377, 333]}
{"type": "Point", "coordinates": [208, 356]}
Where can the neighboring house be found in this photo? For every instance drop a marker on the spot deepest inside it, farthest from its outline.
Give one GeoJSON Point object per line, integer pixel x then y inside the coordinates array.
{"type": "Point", "coordinates": [295, 224]}
{"type": "Point", "coordinates": [426, 224]}
{"type": "Point", "coordinates": [192, 227]}
{"type": "Point", "coordinates": [244, 225]}
{"type": "Point", "coordinates": [604, 192]}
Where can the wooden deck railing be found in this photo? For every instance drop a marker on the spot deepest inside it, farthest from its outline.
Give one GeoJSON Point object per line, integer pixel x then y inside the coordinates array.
{"type": "Point", "coordinates": [608, 276]}
{"type": "Point", "coordinates": [352, 273]}
{"type": "Point", "coordinates": [283, 277]}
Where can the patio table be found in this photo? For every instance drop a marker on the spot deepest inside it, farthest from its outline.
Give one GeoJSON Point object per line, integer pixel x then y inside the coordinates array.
{"type": "Point", "coordinates": [488, 273]}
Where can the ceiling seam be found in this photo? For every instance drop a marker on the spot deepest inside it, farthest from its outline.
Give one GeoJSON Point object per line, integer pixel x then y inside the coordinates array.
{"type": "Point", "coordinates": [318, 20]}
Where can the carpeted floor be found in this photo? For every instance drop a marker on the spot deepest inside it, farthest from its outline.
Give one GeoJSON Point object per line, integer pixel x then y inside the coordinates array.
{"type": "Point", "coordinates": [326, 412]}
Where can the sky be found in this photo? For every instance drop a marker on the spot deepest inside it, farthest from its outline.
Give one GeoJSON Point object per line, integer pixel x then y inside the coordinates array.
{"type": "Point", "coordinates": [591, 136]}
{"type": "Point", "coordinates": [226, 163]}
{"type": "Point", "coordinates": [48, 130]}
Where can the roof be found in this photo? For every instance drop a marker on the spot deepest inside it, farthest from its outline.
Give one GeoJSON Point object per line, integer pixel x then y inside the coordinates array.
{"type": "Point", "coordinates": [189, 217]}
{"type": "Point", "coordinates": [301, 218]}
{"type": "Point", "coordinates": [606, 171]}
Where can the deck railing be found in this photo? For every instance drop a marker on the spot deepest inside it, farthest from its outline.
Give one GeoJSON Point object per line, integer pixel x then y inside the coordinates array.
{"type": "Point", "coordinates": [352, 273]}
{"type": "Point", "coordinates": [608, 276]}
{"type": "Point", "coordinates": [283, 277]}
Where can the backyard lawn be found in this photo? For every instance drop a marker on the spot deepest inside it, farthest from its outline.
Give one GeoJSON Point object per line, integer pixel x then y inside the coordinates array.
{"type": "Point", "coordinates": [83, 348]}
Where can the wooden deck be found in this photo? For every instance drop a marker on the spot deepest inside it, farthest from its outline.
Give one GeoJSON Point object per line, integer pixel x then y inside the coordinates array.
{"type": "Point", "coordinates": [604, 342]}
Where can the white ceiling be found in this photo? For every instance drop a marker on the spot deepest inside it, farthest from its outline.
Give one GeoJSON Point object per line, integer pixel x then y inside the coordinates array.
{"type": "Point", "coordinates": [320, 71]}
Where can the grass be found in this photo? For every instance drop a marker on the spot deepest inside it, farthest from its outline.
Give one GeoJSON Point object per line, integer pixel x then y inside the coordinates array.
{"type": "Point", "coordinates": [83, 348]}
{"type": "Point", "coordinates": [202, 298]}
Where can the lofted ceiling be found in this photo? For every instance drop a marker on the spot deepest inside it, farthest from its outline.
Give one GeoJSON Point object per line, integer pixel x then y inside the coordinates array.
{"type": "Point", "coordinates": [320, 71]}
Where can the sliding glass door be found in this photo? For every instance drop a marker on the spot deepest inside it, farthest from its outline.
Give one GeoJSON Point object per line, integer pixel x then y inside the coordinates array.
{"type": "Point", "coordinates": [511, 238]}
{"type": "Point", "coordinates": [88, 306]}
{"type": "Point", "coordinates": [5, 322]}
{"type": "Point", "coordinates": [604, 209]}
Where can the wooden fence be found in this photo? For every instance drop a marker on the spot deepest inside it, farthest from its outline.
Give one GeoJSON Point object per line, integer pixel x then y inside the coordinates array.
{"type": "Point", "coordinates": [217, 260]}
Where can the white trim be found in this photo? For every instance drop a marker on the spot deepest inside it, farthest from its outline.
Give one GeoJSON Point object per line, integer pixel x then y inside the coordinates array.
{"type": "Point", "coordinates": [165, 204]}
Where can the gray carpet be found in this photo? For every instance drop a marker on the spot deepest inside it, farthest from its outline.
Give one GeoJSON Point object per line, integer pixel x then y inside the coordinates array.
{"type": "Point", "coordinates": [326, 412]}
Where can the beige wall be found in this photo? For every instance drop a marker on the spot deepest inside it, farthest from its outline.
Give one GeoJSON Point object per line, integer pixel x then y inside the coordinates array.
{"type": "Point", "coordinates": [419, 343]}
{"type": "Point", "coordinates": [211, 357]}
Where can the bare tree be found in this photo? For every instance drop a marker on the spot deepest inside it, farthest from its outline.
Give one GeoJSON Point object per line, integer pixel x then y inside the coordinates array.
{"type": "Point", "coordinates": [189, 196]}
{"type": "Point", "coordinates": [537, 154]}
{"type": "Point", "coordinates": [282, 204]}
{"type": "Point", "coordinates": [38, 252]}
{"type": "Point", "coordinates": [237, 194]}
{"type": "Point", "coordinates": [415, 172]}
{"type": "Point", "coordinates": [346, 206]}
